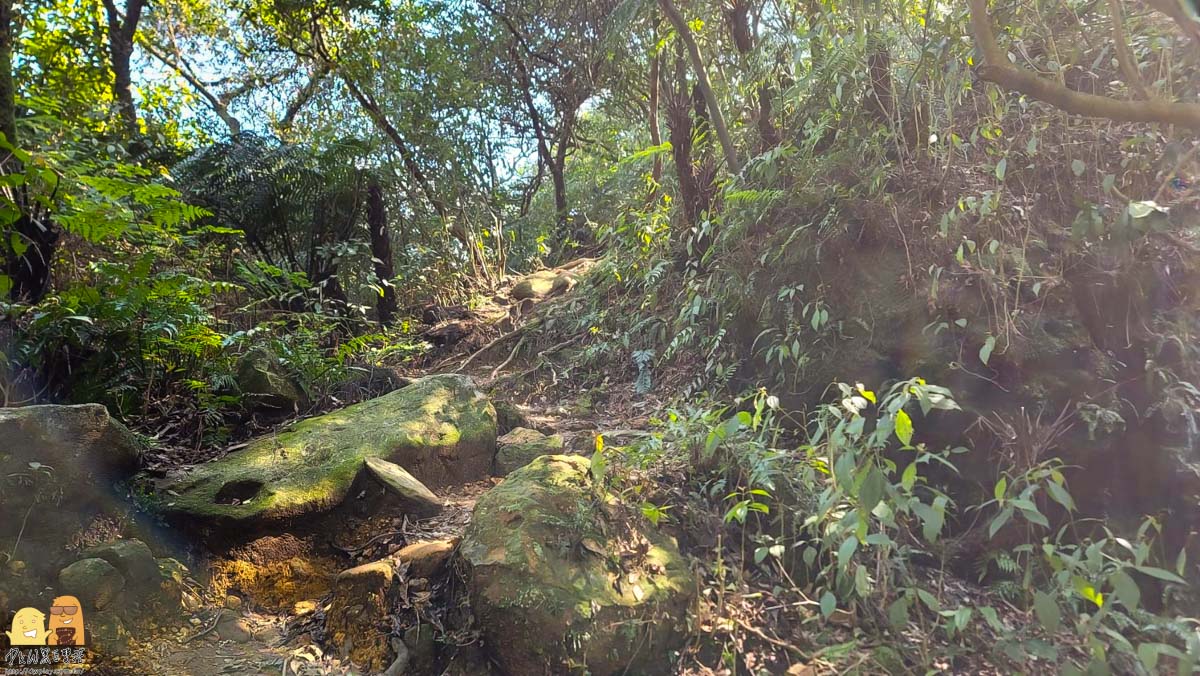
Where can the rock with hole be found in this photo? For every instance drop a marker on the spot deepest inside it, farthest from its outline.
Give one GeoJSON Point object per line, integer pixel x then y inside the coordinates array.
{"type": "Point", "coordinates": [441, 429]}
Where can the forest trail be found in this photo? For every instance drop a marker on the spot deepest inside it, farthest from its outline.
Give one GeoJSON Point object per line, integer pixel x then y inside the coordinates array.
{"type": "Point", "coordinates": [231, 631]}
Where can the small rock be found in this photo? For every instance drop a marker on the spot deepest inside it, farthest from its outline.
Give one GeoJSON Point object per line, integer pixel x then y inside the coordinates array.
{"type": "Point", "coordinates": [269, 635]}
{"type": "Point", "coordinates": [428, 557]}
{"type": "Point", "coordinates": [106, 634]}
{"type": "Point", "coordinates": [233, 628]}
{"type": "Point", "coordinates": [233, 602]}
{"type": "Point", "coordinates": [194, 621]}
{"type": "Point", "coordinates": [16, 567]}
{"type": "Point", "coordinates": [95, 582]}
{"type": "Point", "coordinates": [304, 608]}
{"type": "Point", "coordinates": [190, 601]}
{"type": "Point", "coordinates": [405, 485]}
{"type": "Point", "coordinates": [361, 597]}
{"type": "Point", "coordinates": [172, 588]}
{"type": "Point", "coordinates": [509, 417]}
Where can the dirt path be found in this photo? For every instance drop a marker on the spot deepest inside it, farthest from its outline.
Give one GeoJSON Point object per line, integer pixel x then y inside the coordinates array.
{"type": "Point", "coordinates": [233, 630]}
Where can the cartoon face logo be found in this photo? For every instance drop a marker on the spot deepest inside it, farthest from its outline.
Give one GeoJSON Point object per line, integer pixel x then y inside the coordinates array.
{"type": "Point", "coordinates": [28, 628]}
{"type": "Point", "coordinates": [66, 622]}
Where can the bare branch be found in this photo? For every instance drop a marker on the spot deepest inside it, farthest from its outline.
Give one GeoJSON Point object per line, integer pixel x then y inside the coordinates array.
{"type": "Point", "coordinates": [997, 69]}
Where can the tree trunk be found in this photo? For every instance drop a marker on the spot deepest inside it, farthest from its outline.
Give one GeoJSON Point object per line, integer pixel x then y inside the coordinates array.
{"type": "Point", "coordinates": [34, 238]}
{"type": "Point", "coordinates": [737, 15]}
{"type": "Point", "coordinates": [381, 252]}
{"type": "Point", "coordinates": [558, 168]}
{"type": "Point", "coordinates": [714, 107]}
{"type": "Point", "coordinates": [655, 132]}
{"type": "Point", "coordinates": [121, 32]}
{"type": "Point", "coordinates": [8, 105]}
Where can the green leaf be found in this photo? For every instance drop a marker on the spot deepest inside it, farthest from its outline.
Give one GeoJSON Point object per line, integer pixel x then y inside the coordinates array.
{"type": "Point", "coordinates": [1125, 589]}
{"type": "Point", "coordinates": [932, 517]}
{"type": "Point", "coordinates": [1001, 488]}
{"type": "Point", "coordinates": [998, 522]}
{"type": "Point", "coordinates": [904, 427]}
{"type": "Point", "coordinates": [993, 620]}
{"type": "Point", "coordinates": [1001, 168]}
{"type": "Point", "coordinates": [929, 600]}
{"type": "Point", "coordinates": [1088, 591]}
{"type": "Point", "coordinates": [1078, 167]}
{"type": "Point", "coordinates": [1160, 574]}
{"type": "Point", "coordinates": [1060, 495]}
{"type": "Point", "coordinates": [985, 352]}
{"type": "Point", "coordinates": [828, 604]}
{"type": "Point", "coordinates": [898, 614]}
{"type": "Point", "coordinates": [1034, 516]}
{"type": "Point", "coordinates": [846, 551]}
{"type": "Point", "coordinates": [871, 491]}
{"type": "Point", "coordinates": [599, 464]}
{"type": "Point", "coordinates": [909, 478]}
{"type": "Point", "coordinates": [1046, 608]}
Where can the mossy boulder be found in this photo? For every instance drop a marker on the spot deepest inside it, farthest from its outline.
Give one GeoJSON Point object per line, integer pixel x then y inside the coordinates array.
{"type": "Point", "coordinates": [441, 429]}
{"type": "Point", "coordinates": [521, 446]}
{"type": "Point", "coordinates": [95, 582]}
{"type": "Point", "coordinates": [62, 463]}
{"type": "Point", "coordinates": [561, 577]}
{"type": "Point", "coordinates": [265, 382]}
{"type": "Point", "coordinates": [136, 563]}
{"type": "Point", "coordinates": [535, 285]}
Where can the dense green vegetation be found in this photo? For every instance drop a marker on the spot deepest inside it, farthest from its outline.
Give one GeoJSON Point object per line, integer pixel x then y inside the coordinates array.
{"type": "Point", "coordinates": [907, 289]}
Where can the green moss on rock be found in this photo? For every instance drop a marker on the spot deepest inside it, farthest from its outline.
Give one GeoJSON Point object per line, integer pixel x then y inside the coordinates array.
{"type": "Point", "coordinates": [441, 429]}
{"type": "Point", "coordinates": [521, 446]}
{"type": "Point", "coordinates": [544, 556]}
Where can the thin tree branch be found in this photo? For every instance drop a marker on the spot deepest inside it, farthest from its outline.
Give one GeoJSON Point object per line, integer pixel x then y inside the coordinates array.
{"type": "Point", "coordinates": [997, 69]}
{"type": "Point", "coordinates": [1125, 58]}
{"type": "Point", "coordinates": [181, 66]}
{"type": "Point", "coordinates": [714, 108]}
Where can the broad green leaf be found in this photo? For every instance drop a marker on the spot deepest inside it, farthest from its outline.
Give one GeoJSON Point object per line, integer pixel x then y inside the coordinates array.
{"type": "Point", "coordinates": [828, 604]}
{"type": "Point", "coordinates": [1001, 488]}
{"type": "Point", "coordinates": [1160, 574]}
{"type": "Point", "coordinates": [1045, 606]}
{"type": "Point", "coordinates": [1001, 168]}
{"type": "Point", "coordinates": [904, 427]}
{"type": "Point", "coordinates": [871, 491]}
{"type": "Point", "coordinates": [999, 521]}
{"type": "Point", "coordinates": [898, 614]}
{"type": "Point", "coordinates": [1078, 167]}
{"type": "Point", "coordinates": [1125, 589]}
{"type": "Point", "coordinates": [909, 478]}
{"type": "Point", "coordinates": [846, 551]}
{"type": "Point", "coordinates": [985, 352]}
{"type": "Point", "coordinates": [1060, 495]}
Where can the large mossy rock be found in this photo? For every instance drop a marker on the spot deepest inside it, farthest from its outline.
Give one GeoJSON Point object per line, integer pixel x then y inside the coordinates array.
{"type": "Point", "coordinates": [558, 576]}
{"type": "Point", "coordinates": [61, 463]}
{"type": "Point", "coordinates": [441, 429]}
